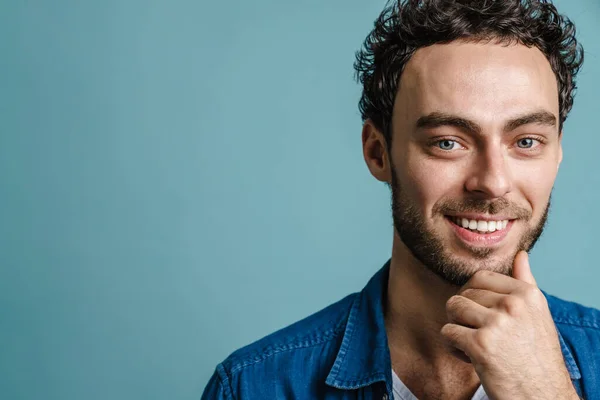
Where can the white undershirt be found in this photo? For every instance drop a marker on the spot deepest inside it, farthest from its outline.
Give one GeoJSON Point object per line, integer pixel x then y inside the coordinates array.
{"type": "Point", "coordinates": [401, 392]}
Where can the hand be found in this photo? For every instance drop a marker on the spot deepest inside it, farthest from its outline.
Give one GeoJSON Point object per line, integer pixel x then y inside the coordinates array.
{"type": "Point", "coordinates": [504, 326]}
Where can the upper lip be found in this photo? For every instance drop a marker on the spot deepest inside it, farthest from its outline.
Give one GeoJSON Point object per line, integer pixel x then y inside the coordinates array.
{"type": "Point", "coordinates": [481, 217]}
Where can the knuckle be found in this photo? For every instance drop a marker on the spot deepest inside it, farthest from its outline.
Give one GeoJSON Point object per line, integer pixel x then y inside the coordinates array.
{"type": "Point", "coordinates": [512, 305]}
{"type": "Point", "coordinates": [481, 276]}
{"type": "Point", "coordinates": [500, 320]}
{"type": "Point", "coordinates": [482, 273]}
{"type": "Point", "coordinates": [482, 339]}
{"type": "Point", "coordinates": [477, 278]}
{"type": "Point", "coordinates": [532, 294]}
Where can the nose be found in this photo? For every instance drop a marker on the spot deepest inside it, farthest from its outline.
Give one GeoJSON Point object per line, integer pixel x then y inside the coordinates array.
{"type": "Point", "coordinates": [490, 176]}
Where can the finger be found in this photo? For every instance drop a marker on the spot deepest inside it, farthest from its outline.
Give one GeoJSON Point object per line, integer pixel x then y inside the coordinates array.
{"type": "Point", "coordinates": [458, 336]}
{"type": "Point", "coordinates": [493, 281]}
{"type": "Point", "coordinates": [486, 298]}
{"type": "Point", "coordinates": [464, 311]}
{"type": "Point", "coordinates": [522, 269]}
{"type": "Point", "coordinates": [460, 355]}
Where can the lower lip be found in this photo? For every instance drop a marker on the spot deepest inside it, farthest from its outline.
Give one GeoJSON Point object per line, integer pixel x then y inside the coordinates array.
{"type": "Point", "coordinates": [480, 239]}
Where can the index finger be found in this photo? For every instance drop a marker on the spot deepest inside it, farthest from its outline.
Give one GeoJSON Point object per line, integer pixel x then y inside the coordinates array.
{"type": "Point", "coordinates": [493, 281]}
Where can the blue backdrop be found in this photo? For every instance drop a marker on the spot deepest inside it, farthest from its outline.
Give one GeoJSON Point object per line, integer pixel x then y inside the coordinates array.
{"type": "Point", "coordinates": [180, 178]}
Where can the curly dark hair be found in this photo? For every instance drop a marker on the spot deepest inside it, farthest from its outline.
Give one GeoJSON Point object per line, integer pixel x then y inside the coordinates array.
{"type": "Point", "coordinates": [404, 26]}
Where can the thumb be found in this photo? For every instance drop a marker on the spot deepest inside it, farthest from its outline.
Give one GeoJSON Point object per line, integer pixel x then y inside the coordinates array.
{"type": "Point", "coordinates": [521, 268]}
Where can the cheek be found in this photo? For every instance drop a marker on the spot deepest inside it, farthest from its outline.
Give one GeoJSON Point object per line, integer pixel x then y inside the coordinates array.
{"type": "Point", "coordinates": [431, 180]}
{"type": "Point", "coordinates": [536, 183]}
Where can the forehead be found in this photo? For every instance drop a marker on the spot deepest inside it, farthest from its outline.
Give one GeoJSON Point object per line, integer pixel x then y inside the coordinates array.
{"type": "Point", "coordinates": [486, 82]}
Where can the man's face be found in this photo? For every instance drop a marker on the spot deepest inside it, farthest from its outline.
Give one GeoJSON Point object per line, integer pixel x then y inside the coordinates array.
{"type": "Point", "coordinates": [475, 152]}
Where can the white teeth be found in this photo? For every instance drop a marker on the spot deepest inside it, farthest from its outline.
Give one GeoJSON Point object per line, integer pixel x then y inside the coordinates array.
{"type": "Point", "coordinates": [481, 226]}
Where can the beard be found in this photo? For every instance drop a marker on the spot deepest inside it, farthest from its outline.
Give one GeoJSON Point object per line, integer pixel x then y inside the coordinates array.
{"type": "Point", "coordinates": [427, 246]}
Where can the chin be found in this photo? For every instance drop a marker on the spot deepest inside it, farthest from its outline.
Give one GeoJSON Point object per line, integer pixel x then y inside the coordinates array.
{"type": "Point", "coordinates": [479, 259]}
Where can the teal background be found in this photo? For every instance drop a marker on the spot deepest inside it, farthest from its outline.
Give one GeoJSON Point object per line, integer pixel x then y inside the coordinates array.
{"type": "Point", "coordinates": [180, 178]}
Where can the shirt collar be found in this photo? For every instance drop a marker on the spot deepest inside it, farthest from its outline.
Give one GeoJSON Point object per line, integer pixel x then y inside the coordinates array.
{"type": "Point", "coordinates": [364, 356]}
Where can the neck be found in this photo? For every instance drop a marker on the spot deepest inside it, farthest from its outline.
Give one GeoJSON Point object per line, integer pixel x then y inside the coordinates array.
{"type": "Point", "coordinates": [416, 312]}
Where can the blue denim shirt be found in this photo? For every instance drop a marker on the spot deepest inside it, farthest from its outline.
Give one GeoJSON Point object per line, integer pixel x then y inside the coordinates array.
{"type": "Point", "coordinates": [341, 352]}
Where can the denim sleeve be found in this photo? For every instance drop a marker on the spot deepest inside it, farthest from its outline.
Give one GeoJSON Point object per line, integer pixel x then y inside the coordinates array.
{"type": "Point", "coordinates": [218, 386]}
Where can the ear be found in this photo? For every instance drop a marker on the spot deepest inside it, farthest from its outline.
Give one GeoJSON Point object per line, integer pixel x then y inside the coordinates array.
{"type": "Point", "coordinates": [375, 152]}
{"type": "Point", "coordinates": [560, 149]}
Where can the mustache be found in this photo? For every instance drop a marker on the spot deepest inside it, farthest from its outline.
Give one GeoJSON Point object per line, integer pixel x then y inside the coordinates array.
{"type": "Point", "coordinates": [480, 206]}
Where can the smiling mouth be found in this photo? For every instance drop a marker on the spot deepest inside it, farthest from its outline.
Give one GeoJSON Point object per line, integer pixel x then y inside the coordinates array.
{"type": "Point", "coordinates": [479, 226]}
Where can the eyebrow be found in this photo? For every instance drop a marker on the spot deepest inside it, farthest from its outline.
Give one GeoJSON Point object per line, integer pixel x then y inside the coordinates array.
{"type": "Point", "coordinates": [437, 119]}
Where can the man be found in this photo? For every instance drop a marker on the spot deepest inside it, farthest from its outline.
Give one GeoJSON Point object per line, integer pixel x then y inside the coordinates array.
{"type": "Point", "coordinates": [463, 106]}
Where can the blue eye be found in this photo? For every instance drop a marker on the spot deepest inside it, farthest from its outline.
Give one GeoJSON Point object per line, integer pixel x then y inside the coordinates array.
{"type": "Point", "coordinates": [525, 143]}
{"type": "Point", "coordinates": [447, 144]}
